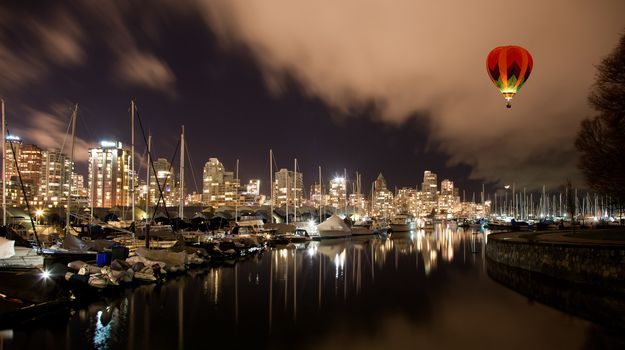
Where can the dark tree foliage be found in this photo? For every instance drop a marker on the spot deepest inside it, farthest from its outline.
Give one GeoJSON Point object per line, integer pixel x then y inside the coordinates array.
{"type": "Point", "coordinates": [601, 140]}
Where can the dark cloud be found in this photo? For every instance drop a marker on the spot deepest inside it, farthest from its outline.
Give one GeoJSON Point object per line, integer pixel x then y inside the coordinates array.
{"type": "Point", "coordinates": [416, 63]}
{"type": "Point", "coordinates": [429, 56]}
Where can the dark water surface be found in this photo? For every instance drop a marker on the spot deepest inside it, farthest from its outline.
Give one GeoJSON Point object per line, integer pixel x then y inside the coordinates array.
{"type": "Point", "coordinates": [426, 289]}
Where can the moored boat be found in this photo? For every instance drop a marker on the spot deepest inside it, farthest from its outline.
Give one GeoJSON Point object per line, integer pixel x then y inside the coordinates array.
{"type": "Point", "coordinates": [402, 223]}
{"type": "Point", "coordinates": [333, 227]}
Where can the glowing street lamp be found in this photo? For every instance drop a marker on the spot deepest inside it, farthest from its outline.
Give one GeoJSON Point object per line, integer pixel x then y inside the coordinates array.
{"type": "Point", "coordinates": [38, 214]}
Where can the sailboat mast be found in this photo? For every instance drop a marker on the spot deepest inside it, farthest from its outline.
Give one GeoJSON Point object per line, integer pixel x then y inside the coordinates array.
{"type": "Point", "coordinates": [345, 187]}
{"type": "Point", "coordinates": [295, 191]}
{"type": "Point", "coordinates": [132, 158]}
{"type": "Point", "coordinates": [181, 204]}
{"type": "Point", "coordinates": [286, 202]}
{"type": "Point", "coordinates": [4, 183]}
{"type": "Point", "coordinates": [271, 184]}
{"type": "Point", "coordinates": [236, 195]}
{"type": "Point", "coordinates": [69, 190]}
{"type": "Point", "coordinates": [147, 180]}
{"type": "Point", "coordinates": [372, 196]}
{"type": "Point", "coordinates": [320, 195]}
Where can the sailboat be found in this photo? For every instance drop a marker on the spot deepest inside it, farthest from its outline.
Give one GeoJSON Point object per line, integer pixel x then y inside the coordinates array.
{"type": "Point", "coordinates": [15, 251]}
{"type": "Point", "coordinates": [73, 248]}
{"type": "Point", "coordinates": [148, 230]}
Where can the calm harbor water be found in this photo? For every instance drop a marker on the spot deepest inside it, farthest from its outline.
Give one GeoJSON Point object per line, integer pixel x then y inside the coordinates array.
{"type": "Point", "coordinates": [425, 289]}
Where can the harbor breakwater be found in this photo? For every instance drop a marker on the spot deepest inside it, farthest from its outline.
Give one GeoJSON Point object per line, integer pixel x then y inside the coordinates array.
{"type": "Point", "coordinates": [586, 280]}
{"type": "Point", "coordinates": [592, 264]}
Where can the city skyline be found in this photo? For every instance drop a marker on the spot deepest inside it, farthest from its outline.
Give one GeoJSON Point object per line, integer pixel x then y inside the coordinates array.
{"type": "Point", "coordinates": [242, 88]}
{"type": "Point", "coordinates": [46, 175]}
{"type": "Point", "coordinates": [33, 163]}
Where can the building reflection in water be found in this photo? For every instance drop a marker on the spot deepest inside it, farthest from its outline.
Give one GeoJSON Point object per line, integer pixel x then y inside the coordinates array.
{"type": "Point", "coordinates": [330, 272]}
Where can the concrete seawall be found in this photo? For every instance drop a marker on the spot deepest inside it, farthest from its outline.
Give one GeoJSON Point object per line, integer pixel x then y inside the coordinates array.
{"type": "Point", "coordinates": [595, 264]}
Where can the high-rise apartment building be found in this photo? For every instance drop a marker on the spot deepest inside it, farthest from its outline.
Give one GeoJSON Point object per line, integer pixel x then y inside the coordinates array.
{"type": "Point", "coordinates": [429, 189]}
{"type": "Point", "coordinates": [57, 173]}
{"type": "Point", "coordinates": [287, 188]}
{"type": "Point", "coordinates": [406, 201]}
{"type": "Point", "coordinates": [166, 182]}
{"type": "Point", "coordinates": [448, 200]}
{"type": "Point", "coordinates": [429, 185]}
{"type": "Point", "coordinates": [109, 175]}
{"type": "Point", "coordinates": [30, 162]}
{"type": "Point", "coordinates": [13, 147]}
{"type": "Point", "coordinates": [382, 199]}
{"type": "Point", "coordinates": [219, 186]}
{"type": "Point", "coordinates": [338, 193]}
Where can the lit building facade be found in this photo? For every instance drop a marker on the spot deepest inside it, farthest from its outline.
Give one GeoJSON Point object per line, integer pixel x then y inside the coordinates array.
{"type": "Point", "coordinates": [382, 206]}
{"type": "Point", "coordinates": [406, 201]}
{"type": "Point", "coordinates": [253, 187]}
{"type": "Point", "coordinates": [13, 196]}
{"type": "Point", "coordinates": [448, 200]}
{"type": "Point", "coordinates": [13, 147]}
{"type": "Point", "coordinates": [109, 173]}
{"type": "Point", "coordinates": [30, 161]}
{"type": "Point", "coordinates": [338, 193]}
{"type": "Point", "coordinates": [252, 197]}
{"type": "Point", "coordinates": [219, 186]}
{"type": "Point", "coordinates": [165, 180]}
{"type": "Point", "coordinates": [56, 174]}
{"type": "Point", "coordinates": [287, 188]}
{"type": "Point", "coordinates": [429, 192]}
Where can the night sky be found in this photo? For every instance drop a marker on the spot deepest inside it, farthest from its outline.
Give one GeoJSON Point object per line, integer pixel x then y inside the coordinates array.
{"type": "Point", "coordinates": [364, 85]}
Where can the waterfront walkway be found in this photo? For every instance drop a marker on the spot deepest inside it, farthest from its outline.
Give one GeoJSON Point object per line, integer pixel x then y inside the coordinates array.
{"type": "Point", "coordinates": [583, 237]}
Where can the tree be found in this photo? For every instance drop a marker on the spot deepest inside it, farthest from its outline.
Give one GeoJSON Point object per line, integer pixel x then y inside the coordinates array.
{"type": "Point", "coordinates": [601, 140]}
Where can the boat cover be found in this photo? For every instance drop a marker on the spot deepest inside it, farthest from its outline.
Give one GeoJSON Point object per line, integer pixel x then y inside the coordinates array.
{"type": "Point", "coordinates": [7, 248]}
{"type": "Point", "coordinates": [333, 223]}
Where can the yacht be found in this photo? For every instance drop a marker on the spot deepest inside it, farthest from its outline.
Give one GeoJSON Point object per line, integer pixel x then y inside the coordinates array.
{"type": "Point", "coordinates": [362, 228]}
{"type": "Point", "coordinates": [402, 223]}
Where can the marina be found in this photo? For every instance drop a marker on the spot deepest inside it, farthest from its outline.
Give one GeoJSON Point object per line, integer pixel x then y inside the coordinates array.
{"type": "Point", "coordinates": [360, 292]}
{"type": "Point", "coordinates": [270, 174]}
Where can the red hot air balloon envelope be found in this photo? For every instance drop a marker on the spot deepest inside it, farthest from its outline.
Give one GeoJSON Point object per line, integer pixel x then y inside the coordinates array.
{"type": "Point", "coordinates": [508, 68]}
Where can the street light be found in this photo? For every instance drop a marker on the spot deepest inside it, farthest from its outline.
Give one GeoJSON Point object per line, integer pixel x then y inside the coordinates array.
{"type": "Point", "coordinates": [38, 214]}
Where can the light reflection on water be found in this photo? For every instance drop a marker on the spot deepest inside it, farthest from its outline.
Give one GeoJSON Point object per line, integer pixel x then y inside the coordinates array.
{"type": "Point", "coordinates": [423, 287]}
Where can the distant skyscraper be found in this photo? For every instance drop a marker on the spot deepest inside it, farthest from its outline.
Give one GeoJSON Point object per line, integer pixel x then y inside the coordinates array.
{"type": "Point", "coordinates": [109, 175]}
{"type": "Point", "coordinates": [338, 193]}
{"type": "Point", "coordinates": [213, 179]}
{"type": "Point", "coordinates": [447, 187]}
{"type": "Point", "coordinates": [429, 189]}
{"type": "Point", "coordinates": [219, 186]}
{"type": "Point", "coordinates": [429, 183]}
{"type": "Point", "coordinates": [448, 201]}
{"type": "Point", "coordinates": [382, 199]}
{"type": "Point", "coordinates": [13, 144]}
{"type": "Point", "coordinates": [30, 162]}
{"type": "Point", "coordinates": [56, 176]}
{"type": "Point", "coordinates": [316, 198]}
{"type": "Point", "coordinates": [406, 201]}
{"type": "Point", "coordinates": [288, 186]}
{"type": "Point", "coordinates": [166, 183]}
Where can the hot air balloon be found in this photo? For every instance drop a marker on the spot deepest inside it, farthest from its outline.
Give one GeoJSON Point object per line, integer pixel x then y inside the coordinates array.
{"type": "Point", "coordinates": [509, 67]}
